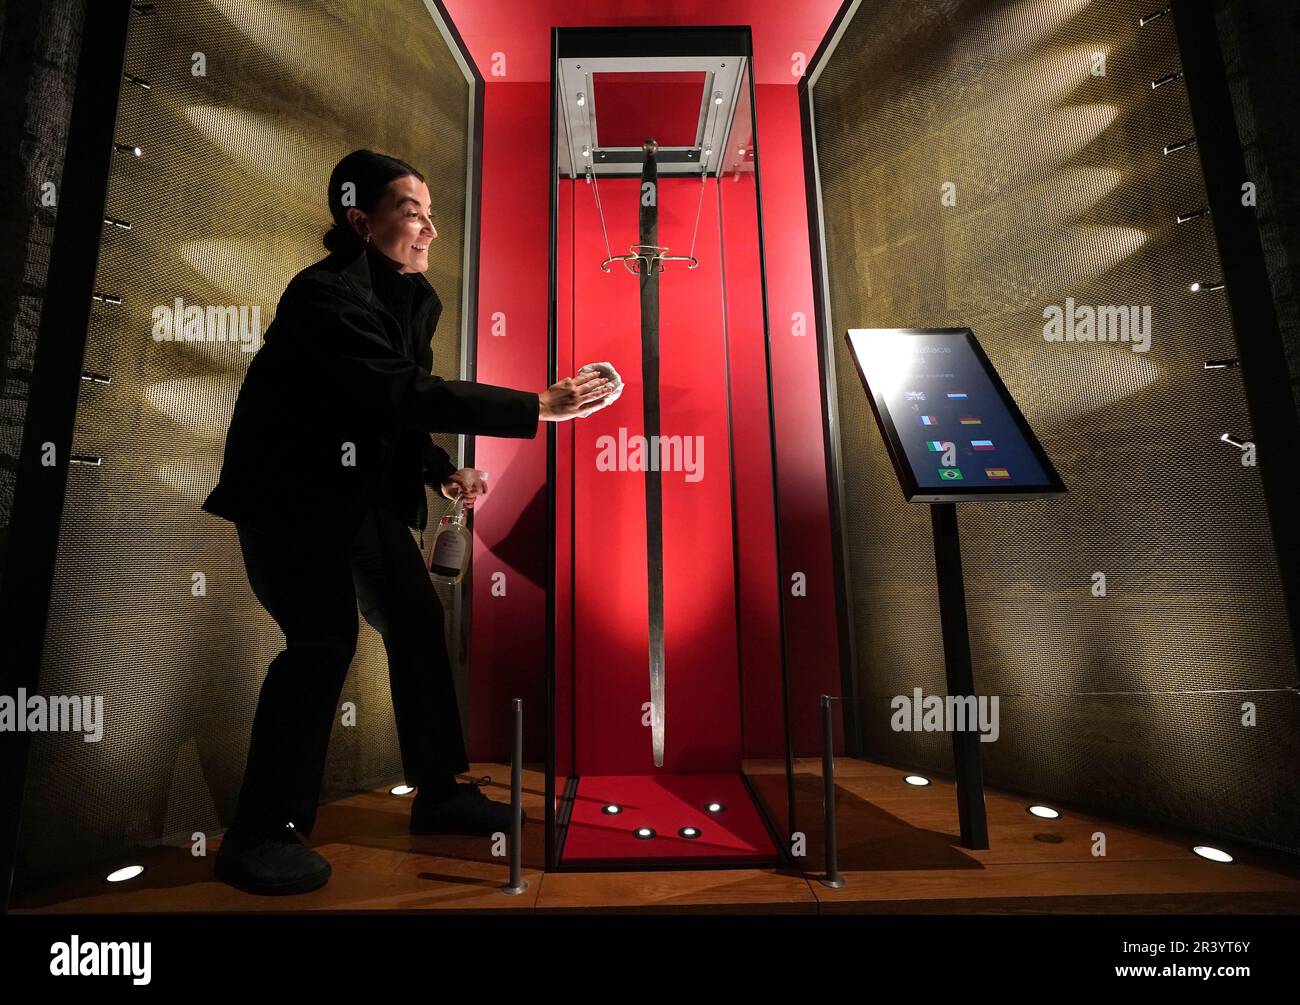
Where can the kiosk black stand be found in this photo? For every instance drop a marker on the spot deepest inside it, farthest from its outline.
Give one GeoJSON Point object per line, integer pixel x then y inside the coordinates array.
{"type": "Point", "coordinates": [967, 767]}
{"type": "Point", "coordinates": [939, 382]}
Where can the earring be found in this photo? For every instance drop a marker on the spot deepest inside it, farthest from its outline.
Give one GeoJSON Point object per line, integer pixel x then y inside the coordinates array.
{"type": "Point", "coordinates": [367, 237]}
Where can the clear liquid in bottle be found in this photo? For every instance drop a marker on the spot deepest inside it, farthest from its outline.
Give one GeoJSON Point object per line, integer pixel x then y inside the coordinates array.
{"type": "Point", "coordinates": [451, 546]}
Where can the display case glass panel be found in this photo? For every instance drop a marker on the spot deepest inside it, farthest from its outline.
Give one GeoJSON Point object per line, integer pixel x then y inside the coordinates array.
{"type": "Point", "coordinates": [669, 742]}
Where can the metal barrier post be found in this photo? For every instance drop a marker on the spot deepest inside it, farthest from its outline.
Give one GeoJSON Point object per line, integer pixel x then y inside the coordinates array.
{"type": "Point", "coordinates": [833, 879]}
{"type": "Point", "coordinates": [517, 883]}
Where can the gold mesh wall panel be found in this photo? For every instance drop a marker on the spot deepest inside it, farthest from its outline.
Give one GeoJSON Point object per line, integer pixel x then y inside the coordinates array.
{"type": "Point", "coordinates": [1062, 191]}
{"type": "Point", "coordinates": [226, 205]}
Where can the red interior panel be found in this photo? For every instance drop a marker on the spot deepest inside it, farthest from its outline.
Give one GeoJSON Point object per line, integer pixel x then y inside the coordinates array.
{"type": "Point", "coordinates": [702, 710]}
{"type": "Point", "coordinates": [510, 43]}
{"type": "Point", "coordinates": [633, 106]}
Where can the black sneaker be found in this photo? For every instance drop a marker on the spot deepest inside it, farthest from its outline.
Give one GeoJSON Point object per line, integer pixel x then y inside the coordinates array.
{"type": "Point", "coordinates": [269, 863]}
{"type": "Point", "coordinates": [465, 811]}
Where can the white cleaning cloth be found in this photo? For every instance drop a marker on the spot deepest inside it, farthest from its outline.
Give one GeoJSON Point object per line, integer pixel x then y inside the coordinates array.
{"type": "Point", "coordinates": [605, 370]}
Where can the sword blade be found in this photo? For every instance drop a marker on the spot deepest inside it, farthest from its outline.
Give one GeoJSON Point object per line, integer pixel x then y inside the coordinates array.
{"type": "Point", "coordinates": [648, 229]}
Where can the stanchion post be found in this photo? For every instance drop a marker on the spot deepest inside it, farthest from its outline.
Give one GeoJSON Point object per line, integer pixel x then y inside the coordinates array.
{"type": "Point", "coordinates": [833, 879]}
{"type": "Point", "coordinates": [517, 883]}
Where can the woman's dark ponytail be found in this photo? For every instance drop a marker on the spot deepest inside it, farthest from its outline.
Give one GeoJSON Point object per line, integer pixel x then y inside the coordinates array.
{"type": "Point", "coordinates": [361, 178]}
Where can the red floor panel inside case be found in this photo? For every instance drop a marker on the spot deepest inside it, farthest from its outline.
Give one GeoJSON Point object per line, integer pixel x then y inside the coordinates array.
{"type": "Point", "coordinates": [665, 803]}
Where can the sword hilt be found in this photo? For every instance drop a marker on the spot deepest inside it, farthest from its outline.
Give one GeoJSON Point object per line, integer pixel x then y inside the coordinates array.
{"type": "Point", "coordinates": [638, 254]}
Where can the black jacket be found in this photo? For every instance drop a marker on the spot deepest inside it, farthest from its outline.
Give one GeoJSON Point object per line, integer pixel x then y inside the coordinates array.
{"type": "Point", "coordinates": [336, 408]}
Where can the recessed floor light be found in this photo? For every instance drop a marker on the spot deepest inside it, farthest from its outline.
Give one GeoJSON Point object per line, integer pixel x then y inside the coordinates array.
{"type": "Point", "coordinates": [1212, 853]}
{"type": "Point", "coordinates": [690, 833]}
{"type": "Point", "coordinates": [916, 780]}
{"type": "Point", "coordinates": [612, 809]}
{"type": "Point", "coordinates": [401, 790]}
{"type": "Point", "coordinates": [1046, 812]}
{"type": "Point", "coordinates": [644, 833]}
{"type": "Point", "coordinates": [125, 873]}
{"type": "Point", "coordinates": [716, 808]}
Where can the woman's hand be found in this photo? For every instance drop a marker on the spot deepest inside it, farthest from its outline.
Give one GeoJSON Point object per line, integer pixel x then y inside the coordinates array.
{"type": "Point", "coordinates": [466, 484]}
{"type": "Point", "coordinates": [607, 371]}
{"type": "Point", "coordinates": [575, 397]}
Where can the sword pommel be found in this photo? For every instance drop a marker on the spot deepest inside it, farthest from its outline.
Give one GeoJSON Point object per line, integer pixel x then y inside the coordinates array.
{"type": "Point", "coordinates": [650, 146]}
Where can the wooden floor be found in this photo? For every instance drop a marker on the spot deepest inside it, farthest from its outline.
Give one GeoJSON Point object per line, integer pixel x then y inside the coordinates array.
{"type": "Point", "coordinates": [899, 853]}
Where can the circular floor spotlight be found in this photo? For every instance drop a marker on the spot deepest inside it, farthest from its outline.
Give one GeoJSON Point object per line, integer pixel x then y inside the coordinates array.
{"type": "Point", "coordinates": [125, 873]}
{"type": "Point", "coordinates": [1212, 853]}
{"type": "Point", "coordinates": [1045, 812]}
{"type": "Point", "coordinates": [916, 780]}
{"type": "Point", "coordinates": [401, 790]}
{"type": "Point", "coordinates": [716, 808]}
{"type": "Point", "coordinates": [690, 833]}
{"type": "Point", "coordinates": [612, 810]}
{"type": "Point", "coordinates": [644, 833]}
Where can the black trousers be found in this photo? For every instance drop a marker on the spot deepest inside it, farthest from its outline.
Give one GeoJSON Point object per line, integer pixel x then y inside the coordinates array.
{"type": "Point", "coordinates": [312, 589]}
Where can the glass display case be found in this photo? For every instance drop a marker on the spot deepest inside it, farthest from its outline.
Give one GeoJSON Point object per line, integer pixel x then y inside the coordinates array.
{"type": "Point", "coordinates": [669, 738]}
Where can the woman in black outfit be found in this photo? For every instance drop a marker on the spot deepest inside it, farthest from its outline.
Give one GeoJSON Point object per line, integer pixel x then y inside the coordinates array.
{"type": "Point", "coordinates": [325, 464]}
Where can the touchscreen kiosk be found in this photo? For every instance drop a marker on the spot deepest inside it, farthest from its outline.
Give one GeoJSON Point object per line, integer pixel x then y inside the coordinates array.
{"type": "Point", "coordinates": [953, 432]}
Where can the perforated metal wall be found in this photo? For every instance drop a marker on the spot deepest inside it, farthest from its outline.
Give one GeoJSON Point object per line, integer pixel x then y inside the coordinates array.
{"type": "Point", "coordinates": [1042, 116]}
{"type": "Point", "coordinates": [250, 104]}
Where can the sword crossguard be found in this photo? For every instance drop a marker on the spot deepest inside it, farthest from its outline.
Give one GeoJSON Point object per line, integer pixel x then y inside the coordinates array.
{"type": "Point", "coordinates": [646, 255]}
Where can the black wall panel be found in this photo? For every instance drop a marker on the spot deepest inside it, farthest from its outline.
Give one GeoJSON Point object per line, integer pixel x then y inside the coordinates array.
{"type": "Point", "coordinates": [1259, 42]}
{"type": "Point", "coordinates": [39, 48]}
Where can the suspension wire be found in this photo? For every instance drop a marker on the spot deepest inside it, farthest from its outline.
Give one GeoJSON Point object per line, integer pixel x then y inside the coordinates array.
{"type": "Point", "coordinates": [600, 209]}
{"type": "Point", "coordinates": [591, 173]}
{"type": "Point", "coordinates": [595, 188]}
{"type": "Point", "coordinates": [703, 181]}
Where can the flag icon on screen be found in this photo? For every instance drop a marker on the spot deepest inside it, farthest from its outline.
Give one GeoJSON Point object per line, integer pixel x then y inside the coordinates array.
{"type": "Point", "coordinates": [982, 444]}
{"type": "Point", "coordinates": [970, 420]}
{"type": "Point", "coordinates": [915, 395]}
{"type": "Point", "coordinates": [928, 420]}
{"type": "Point", "coordinates": [951, 474]}
{"type": "Point", "coordinates": [997, 473]}
{"type": "Point", "coordinates": [957, 395]}
{"type": "Point", "coordinates": [934, 446]}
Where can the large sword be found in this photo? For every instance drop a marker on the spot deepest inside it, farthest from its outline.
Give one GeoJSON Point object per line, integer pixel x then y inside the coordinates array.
{"type": "Point", "coordinates": [648, 230]}
{"type": "Point", "coordinates": [649, 257]}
